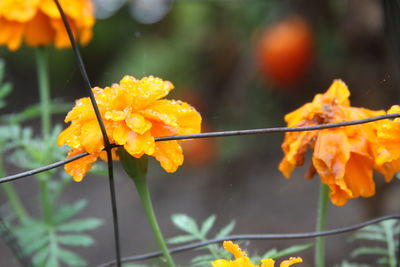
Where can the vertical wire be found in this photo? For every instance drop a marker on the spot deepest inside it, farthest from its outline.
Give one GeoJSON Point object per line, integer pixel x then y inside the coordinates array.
{"type": "Point", "coordinates": [107, 145]}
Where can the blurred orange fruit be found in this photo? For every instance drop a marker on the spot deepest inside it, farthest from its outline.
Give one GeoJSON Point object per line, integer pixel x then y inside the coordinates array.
{"type": "Point", "coordinates": [285, 51]}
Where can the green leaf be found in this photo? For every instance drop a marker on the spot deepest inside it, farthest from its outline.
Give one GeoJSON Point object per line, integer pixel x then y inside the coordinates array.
{"type": "Point", "coordinates": [29, 231]}
{"type": "Point", "coordinates": [70, 258]}
{"type": "Point", "coordinates": [67, 211]}
{"type": "Point", "coordinates": [181, 239]}
{"type": "Point", "coordinates": [226, 230]}
{"type": "Point", "coordinates": [389, 223]}
{"type": "Point", "coordinates": [368, 251]}
{"type": "Point", "coordinates": [5, 90]}
{"type": "Point", "coordinates": [369, 236]}
{"type": "Point", "coordinates": [35, 245]}
{"type": "Point", "coordinates": [207, 257]}
{"type": "Point", "coordinates": [290, 251]}
{"type": "Point", "coordinates": [34, 111]}
{"type": "Point", "coordinates": [80, 225]}
{"type": "Point", "coordinates": [207, 224]}
{"type": "Point", "coordinates": [270, 253]}
{"type": "Point", "coordinates": [76, 240]}
{"type": "Point", "coordinates": [185, 223]}
{"type": "Point", "coordinates": [41, 256]}
{"type": "Point", "coordinates": [372, 228]}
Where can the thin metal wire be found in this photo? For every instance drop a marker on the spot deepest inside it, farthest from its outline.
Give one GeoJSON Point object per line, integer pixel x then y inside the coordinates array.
{"type": "Point", "coordinates": [257, 237]}
{"type": "Point", "coordinates": [86, 80]}
{"type": "Point", "coordinates": [212, 135]}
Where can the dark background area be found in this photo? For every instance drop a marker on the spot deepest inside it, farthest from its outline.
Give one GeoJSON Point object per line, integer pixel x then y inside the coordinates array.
{"type": "Point", "coordinates": [209, 50]}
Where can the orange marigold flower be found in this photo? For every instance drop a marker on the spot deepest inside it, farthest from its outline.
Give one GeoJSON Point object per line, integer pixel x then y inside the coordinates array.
{"type": "Point", "coordinates": [343, 157]}
{"type": "Point", "coordinates": [241, 259]}
{"type": "Point", "coordinates": [388, 148]}
{"type": "Point", "coordinates": [133, 113]}
{"type": "Point", "coordinates": [38, 22]}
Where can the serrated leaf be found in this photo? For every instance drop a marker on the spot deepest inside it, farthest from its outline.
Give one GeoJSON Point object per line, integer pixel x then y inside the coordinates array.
{"type": "Point", "coordinates": [185, 223]}
{"type": "Point", "coordinates": [207, 225]}
{"type": "Point", "coordinates": [80, 225]}
{"type": "Point", "coordinates": [40, 257]}
{"type": "Point", "coordinates": [70, 258]}
{"type": "Point", "coordinates": [369, 236]}
{"type": "Point", "coordinates": [384, 261]}
{"type": "Point", "coordinates": [5, 90]}
{"type": "Point", "coordinates": [30, 230]}
{"type": "Point", "coordinates": [181, 239]}
{"type": "Point", "coordinates": [35, 245]}
{"type": "Point", "coordinates": [202, 258]}
{"type": "Point", "coordinates": [226, 230]}
{"type": "Point", "coordinates": [368, 251]}
{"type": "Point", "coordinates": [389, 223]}
{"type": "Point", "coordinates": [67, 211]}
{"type": "Point", "coordinates": [76, 240]}
{"type": "Point", "coordinates": [290, 251]}
{"type": "Point", "coordinates": [372, 228]}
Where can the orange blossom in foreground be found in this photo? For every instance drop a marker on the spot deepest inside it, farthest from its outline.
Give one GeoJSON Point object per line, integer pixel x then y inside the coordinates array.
{"type": "Point", "coordinates": [133, 113]}
{"type": "Point", "coordinates": [343, 157]}
{"type": "Point", "coordinates": [241, 259]}
{"type": "Point", "coordinates": [38, 22]}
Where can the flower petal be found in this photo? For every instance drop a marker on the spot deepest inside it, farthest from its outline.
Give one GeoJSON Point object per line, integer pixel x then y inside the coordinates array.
{"type": "Point", "coordinates": [78, 168]}
{"type": "Point", "coordinates": [169, 154]}
{"type": "Point", "coordinates": [176, 114]}
{"type": "Point", "coordinates": [137, 144]}
{"type": "Point", "coordinates": [358, 176]}
{"type": "Point", "coordinates": [91, 137]}
{"type": "Point", "coordinates": [331, 153]}
{"type": "Point", "coordinates": [137, 123]}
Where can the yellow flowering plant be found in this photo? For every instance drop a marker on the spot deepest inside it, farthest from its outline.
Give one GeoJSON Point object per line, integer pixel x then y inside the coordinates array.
{"type": "Point", "coordinates": [241, 259]}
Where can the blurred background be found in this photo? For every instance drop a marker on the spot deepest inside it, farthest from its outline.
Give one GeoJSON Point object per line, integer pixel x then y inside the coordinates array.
{"type": "Point", "coordinates": [243, 65]}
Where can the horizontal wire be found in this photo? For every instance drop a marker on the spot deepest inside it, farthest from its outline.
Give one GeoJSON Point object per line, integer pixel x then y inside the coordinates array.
{"type": "Point", "coordinates": [256, 237]}
{"type": "Point", "coordinates": [211, 135]}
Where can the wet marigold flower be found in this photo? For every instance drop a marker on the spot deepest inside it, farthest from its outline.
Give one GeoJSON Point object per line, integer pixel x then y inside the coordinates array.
{"type": "Point", "coordinates": [38, 22]}
{"type": "Point", "coordinates": [388, 147]}
{"type": "Point", "coordinates": [343, 157]}
{"type": "Point", "coordinates": [133, 113]}
{"type": "Point", "coordinates": [241, 259]}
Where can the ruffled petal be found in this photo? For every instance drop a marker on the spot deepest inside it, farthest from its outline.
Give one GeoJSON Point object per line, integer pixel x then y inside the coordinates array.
{"type": "Point", "coordinates": [18, 10]}
{"type": "Point", "coordinates": [267, 263]}
{"type": "Point", "coordinates": [91, 137]}
{"type": "Point", "coordinates": [137, 144]}
{"type": "Point", "coordinates": [11, 34]}
{"type": "Point", "coordinates": [137, 123]}
{"type": "Point", "coordinates": [35, 37]}
{"type": "Point", "coordinates": [146, 91]}
{"type": "Point", "coordinates": [358, 176]}
{"type": "Point", "coordinates": [169, 154]}
{"type": "Point", "coordinates": [78, 168]}
{"type": "Point", "coordinates": [176, 114]}
{"type": "Point", "coordinates": [70, 136]}
{"type": "Point", "coordinates": [331, 153]}
{"type": "Point", "coordinates": [291, 261]}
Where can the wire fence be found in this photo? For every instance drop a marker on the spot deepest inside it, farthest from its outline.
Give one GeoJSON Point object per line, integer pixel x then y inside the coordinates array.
{"type": "Point", "coordinates": [108, 146]}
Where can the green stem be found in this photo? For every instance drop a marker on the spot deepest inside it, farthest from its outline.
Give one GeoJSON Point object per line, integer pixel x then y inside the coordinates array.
{"type": "Point", "coordinates": [15, 201]}
{"type": "Point", "coordinates": [12, 195]}
{"type": "Point", "coordinates": [44, 89]}
{"type": "Point", "coordinates": [44, 93]}
{"type": "Point", "coordinates": [321, 222]}
{"type": "Point", "coordinates": [144, 194]}
{"type": "Point", "coordinates": [390, 242]}
{"type": "Point", "coordinates": [45, 200]}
